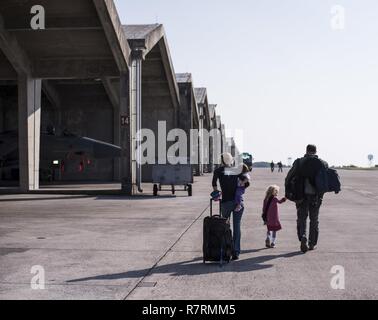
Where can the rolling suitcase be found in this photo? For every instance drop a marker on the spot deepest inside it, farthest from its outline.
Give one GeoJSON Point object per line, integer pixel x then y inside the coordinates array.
{"type": "Point", "coordinates": [217, 238]}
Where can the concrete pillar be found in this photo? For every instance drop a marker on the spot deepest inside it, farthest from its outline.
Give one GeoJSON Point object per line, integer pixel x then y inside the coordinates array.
{"type": "Point", "coordinates": [224, 140]}
{"type": "Point", "coordinates": [194, 147]}
{"type": "Point", "coordinates": [136, 114]}
{"type": "Point", "coordinates": [211, 154]}
{"type": "Point", "coordinates": [125, 124]}
{"type": "Point", "coordinates": [200, 144]}
{"type": "Point", "coordinates": [29, 126]}
{"type": "Point", "coordinates": [195, 153]}
{"type": "Point", "coordinates": [233, 150]}
{"type": "Point", "coordinates": [205, 141]}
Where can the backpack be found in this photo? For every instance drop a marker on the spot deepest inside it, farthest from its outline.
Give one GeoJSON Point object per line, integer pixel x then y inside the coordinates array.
{"type": "Point", "coordinates": [294, 184]}
{"type": "Point", "coordinates": [334, 184]}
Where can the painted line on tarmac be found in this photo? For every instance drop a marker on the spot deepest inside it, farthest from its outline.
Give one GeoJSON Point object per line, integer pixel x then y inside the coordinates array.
{"type": "Point", "coordinates": [149, 272]}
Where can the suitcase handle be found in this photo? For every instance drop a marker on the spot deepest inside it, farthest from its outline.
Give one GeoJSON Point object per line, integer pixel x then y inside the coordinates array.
{"type": "Point", "coordinates": [211, 208]}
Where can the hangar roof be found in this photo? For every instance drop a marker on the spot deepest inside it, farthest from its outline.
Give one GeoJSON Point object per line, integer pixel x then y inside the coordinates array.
{"type": "Point", "coordinates": [212, 111]}
{"type": "Point", "coordinates": [184, 77]}
{"type": "Point", "coordinates": [141, 31]}
{"type": "Point", "coordinates": [201, 94]}
{"type": "Point", "coordinates": [152, 42]}
{"type": "Point", "coordinates": [187, 80]}
{"type": "Point", "coordinates": [201, 97]}
{"type": "Point", "coordinates": [81, 39]}
{"type": "Point", "coordinates": [219, 123]}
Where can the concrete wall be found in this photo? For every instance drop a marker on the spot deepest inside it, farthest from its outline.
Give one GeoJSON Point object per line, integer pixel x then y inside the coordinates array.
{"type": "Point", "coordinates": [8, 107]}
{"type": "Point", "coordinates": [8, 119]}
{"type": "Point", "coordinates": [9, 110]}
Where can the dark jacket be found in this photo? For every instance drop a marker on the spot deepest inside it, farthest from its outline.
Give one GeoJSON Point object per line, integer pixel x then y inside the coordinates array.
{"type": "Point", "coordinates": [307, 167]}
{"type": "Point", "coordinates": [228, 184]}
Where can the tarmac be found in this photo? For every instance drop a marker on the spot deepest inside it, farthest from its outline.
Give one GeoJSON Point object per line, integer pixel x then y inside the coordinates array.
{"type": "Point", "coordinates": [112, 247]}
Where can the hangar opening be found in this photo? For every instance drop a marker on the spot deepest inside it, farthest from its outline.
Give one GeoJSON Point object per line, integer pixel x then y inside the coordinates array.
{"type": "Point", "coordinates": [57, 122]}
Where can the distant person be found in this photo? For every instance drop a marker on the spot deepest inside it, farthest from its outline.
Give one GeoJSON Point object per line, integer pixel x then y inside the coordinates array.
{"type": "Point", "coordinates": [280, 167]}
{"type": "Point", "coordinates": [308, 200]}
{"type": "Point", "coordinates": [270, 215]}
{"type": "Point", "coordinates": [272, 166]}
{"type": "Point", "coordinates": [243, 181]}
{"type": "Point", "coordinates": [229, 184]}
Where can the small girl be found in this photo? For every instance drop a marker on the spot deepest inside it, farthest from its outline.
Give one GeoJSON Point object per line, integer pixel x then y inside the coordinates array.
{"type": "Point", "coordinates": [243, 182]}
{"type": "Point", "coordinates": [271, 216]}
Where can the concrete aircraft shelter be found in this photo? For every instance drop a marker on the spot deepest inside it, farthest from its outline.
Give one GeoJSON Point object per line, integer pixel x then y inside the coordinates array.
{"type": "Point", "coordinates": [153, 96]}
{"type": "Point", "coordinates": [190, 117]}
{"type": "Point", "coordinates": [203, 106]}
{"type": "Point", "coordinates": [154, 89]}
{"type": "Point", "coordinates": [86, 74]}
{"type": "Point", "coordinates": [222, 129]}
{"type": "Point", "coordinates": [213, 126]}
{"type": "Point", "coordinates": [231, 146]}
{"type": "Point", "coordinates": [213, 116]}
{"type": "Point", "coordinates": [55, 69]}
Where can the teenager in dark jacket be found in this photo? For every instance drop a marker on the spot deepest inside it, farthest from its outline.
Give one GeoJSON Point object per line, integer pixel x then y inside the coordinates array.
{"type": "Point", "coordinates": [308, 167]}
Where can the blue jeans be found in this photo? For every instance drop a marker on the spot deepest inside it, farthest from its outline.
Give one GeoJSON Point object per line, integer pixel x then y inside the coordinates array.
{"type": "Point", "coordinates": [227, 209]}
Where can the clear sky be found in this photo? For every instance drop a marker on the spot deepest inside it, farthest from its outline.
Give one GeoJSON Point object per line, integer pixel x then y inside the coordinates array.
{"type": "Point", "coordinates": [281, 71]}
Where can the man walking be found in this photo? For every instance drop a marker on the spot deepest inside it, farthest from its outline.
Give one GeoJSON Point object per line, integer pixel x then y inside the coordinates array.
{"type": "Point", "coordinates": [307, 169]}
{"type": "Point", "coordinates": [280, 166]}
{"type": "Point", "coordinates": [272, 166]}
{"type": "Point", "coordinates": [228, 182]}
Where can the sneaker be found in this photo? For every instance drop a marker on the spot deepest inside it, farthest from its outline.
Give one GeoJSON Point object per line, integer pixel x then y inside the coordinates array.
{"type": "Point", "coordinates": [311, 247]}
{"type": "Point", "coordinates": [267, 243]}
{"type": "Point", "coordinates": [304, 247]}
{"type": "Point", "coordinates": [235, 258]}
{"type": "Point", "coordinates": [272, 245]}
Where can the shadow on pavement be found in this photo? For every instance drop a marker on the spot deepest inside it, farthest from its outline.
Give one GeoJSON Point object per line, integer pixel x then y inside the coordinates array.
{"type": "Point", "coordinates": [104, 198]}
{"type": "Point", "coordinates": [138, 197]}
{"type": "Point", "coordinates": [45, 198]}
{"type": "Point", "coordinates": [196, 267]}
